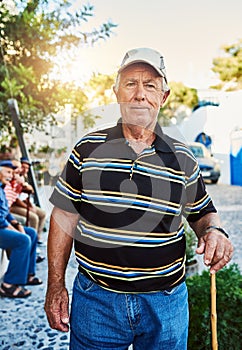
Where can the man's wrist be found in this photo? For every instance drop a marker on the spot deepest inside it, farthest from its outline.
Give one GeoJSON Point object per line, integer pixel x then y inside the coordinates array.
{"type": "Point", "coordinates": [218, 228]}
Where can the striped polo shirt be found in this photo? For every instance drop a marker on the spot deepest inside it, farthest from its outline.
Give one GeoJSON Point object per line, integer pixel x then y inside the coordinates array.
{"type": "Point", "coordinates": [130, 235]}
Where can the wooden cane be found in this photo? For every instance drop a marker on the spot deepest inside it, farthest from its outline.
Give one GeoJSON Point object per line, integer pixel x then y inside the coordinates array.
{"type": "Point", "coordinates": [28, 208]}
{"type": "Point", "coordinates": [213, 312]}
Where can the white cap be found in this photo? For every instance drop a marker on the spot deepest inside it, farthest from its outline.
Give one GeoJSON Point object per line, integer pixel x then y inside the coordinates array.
{"type": "Point", "coordinates": [145, 55]}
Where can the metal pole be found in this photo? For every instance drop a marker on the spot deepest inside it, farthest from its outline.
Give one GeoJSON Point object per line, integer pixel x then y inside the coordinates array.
{"type": "Point", "coordinates": [13, 107]}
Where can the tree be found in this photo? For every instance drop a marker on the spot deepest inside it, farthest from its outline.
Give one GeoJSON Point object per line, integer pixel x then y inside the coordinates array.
{"type": "Point", "coordinates": [229, 67]}
{"type": "Point", "coordinates": [100, 89]}
{"type": "Point", "coordinates": [179, 103]}
{"type": "Point", "coordinates": [32, 34]}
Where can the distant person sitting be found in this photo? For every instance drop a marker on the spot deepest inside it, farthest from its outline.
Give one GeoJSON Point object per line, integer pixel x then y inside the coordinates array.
{"type": "Point", "coordinates": [204, 139]}
{"type": "Point", "coordinates": [19, 241]}
{"type": "Point", "coordinates": [14, 187]}
{"type": "Point", "coordinates": [36, 215]}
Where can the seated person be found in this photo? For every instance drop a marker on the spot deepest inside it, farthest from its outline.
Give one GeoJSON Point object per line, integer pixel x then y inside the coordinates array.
{"type": "Point", "coordinates": [21, 241]}
{"type": "Point", "coordinates": [13, 189]}
{"type": "Point", "coordinates": [19, 207]}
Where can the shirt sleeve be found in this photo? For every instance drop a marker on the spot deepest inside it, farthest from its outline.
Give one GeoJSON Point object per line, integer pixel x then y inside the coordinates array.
{"type": "Point", "coordinates": [10, 218]}
{"type": "Point", "coordinates": [3, 209]}
{"type": "Point", "coordinates": [198, 201]}
{"type": "Point", "coordinates": [67, 191]}
{"type": "Point", "coordinates": [3, 222]}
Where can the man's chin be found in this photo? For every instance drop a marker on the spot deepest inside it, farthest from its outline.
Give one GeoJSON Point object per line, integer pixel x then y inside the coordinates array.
{"type": "Point", "coordinates": [141, 122]}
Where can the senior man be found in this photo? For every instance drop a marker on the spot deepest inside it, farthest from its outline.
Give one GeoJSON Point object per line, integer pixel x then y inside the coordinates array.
{"type": "Point", "coordinates": [121, 198]}
{"type": "Point", "coordinates": [19, 241]}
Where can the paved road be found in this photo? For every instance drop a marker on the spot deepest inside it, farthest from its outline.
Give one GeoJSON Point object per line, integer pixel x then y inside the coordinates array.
{"type": "Point", "coordinates": [23, 324]}
{"type": "Point", "coordinates": [228, 201]}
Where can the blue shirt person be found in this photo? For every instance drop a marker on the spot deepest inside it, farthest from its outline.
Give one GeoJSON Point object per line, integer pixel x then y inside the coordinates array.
{"type": "Point", "coordinates": [204, 139]}
{"type": "Point", "coordinates": [20, 243]}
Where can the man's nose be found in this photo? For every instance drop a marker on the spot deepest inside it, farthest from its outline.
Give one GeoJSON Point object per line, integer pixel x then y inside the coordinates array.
{"type": "Point", "coordinates": [140, 93]}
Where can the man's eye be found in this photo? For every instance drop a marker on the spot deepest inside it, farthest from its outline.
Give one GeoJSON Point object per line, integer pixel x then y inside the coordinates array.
{"type": "Point", "coordinates": [150, 86]}
{"type": "Point", "coordinates": [130, 84]}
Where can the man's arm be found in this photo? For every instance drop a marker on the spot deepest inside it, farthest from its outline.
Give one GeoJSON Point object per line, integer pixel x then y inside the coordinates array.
{"type": "Point", "coordinates": [60, 240]}
{"type": "Point", "coordinates": [215, 246]}
{"type": "Point", "coordinates": [20, 203]}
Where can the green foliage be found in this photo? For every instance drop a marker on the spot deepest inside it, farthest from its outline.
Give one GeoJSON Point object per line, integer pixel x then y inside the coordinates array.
{"type": "Point", "coordinates": [191, 242]}
{"type": "Point", "coordinates": [89, 119]}
{"type": "Point", "coordinates": [32, 36]}
{"type": "Point", "coordinates": [229, 67]}
{"type": "Point", "coordinates": [45, 149]}
{"type": "Point", "coordinates": [229, 305]}
{"type": "Point", "coordinates": [8, 143]}
{"type": "Point", "coordinates": [99, 86]}
{"type": "Point", "coordinates": [61, 150]}
{"type": "Point", "coordinates": [179, 103]}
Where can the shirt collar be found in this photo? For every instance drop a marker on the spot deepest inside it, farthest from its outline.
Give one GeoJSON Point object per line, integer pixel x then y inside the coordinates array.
{"type": "Point", "coordinates": [162, 143]}
{"type": "Point", "coordinates": [116, 133]}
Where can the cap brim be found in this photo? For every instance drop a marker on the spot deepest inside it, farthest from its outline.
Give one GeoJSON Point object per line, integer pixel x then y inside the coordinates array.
{"type": "Point", "coordinates": [26, 162]}
{"type": "Point", "coordinates": [159, 71]}
{"type": "Point", "coordinates": [8, 166]}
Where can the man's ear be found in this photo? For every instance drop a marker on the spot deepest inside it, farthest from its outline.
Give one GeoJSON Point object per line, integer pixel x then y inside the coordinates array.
{"type": "Point", "coordinates": [164, 97]}
{"type": "Point", "coordinates": [114, 90]}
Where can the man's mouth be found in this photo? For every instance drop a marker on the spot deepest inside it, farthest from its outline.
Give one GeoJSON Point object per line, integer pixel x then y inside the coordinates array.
{"type": "Point", "coordinates": [138, 108]}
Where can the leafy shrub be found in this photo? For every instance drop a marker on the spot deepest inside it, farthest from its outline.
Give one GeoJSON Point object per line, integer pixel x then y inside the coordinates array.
{"type": "Point", "coordinates": [191, 243]}
{"type": "Point", "coordinates": [229, 306]}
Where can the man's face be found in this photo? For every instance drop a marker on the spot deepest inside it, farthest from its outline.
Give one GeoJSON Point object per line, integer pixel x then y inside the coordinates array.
{"type": "Point", "coordinates": [6, 175]}
{"type": "Point", "coordinates": [25, 169]}
{"type": "Point", "coordinates": [17, 172]}
{"type": "Point", "coordinates": [140, 95]}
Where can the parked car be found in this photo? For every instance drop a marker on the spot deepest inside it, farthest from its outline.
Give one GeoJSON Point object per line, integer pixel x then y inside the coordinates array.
{"type": "Point", "coordinates": [210, 166]}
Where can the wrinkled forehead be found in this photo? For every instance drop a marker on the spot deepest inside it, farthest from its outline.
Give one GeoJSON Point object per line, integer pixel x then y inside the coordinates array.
{"type": "Point", "coordinates": [140, 68]}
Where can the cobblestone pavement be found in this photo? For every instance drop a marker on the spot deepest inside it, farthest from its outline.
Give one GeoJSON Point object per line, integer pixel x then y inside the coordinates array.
{"type": "Point", "coordinates": [228, 201]}
{"type": "Point", "coordinates": [23, 322]}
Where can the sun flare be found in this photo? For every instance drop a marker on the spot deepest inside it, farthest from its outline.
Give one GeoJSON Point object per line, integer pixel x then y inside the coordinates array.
{"type": "Point", "coordinates": [72, 70]}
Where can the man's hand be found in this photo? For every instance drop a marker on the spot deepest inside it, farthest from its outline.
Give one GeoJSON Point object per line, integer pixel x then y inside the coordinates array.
{"type": "Point", "coordinates": [217, 250]}
{"type": "Point", "coordinates": [60, 240]}
{"type": "Point", "coordinates": [57, 308]}
{"type": "Point", "coordinates": [27, 188]}
{"type": "Point", "coordinates": [21, 228]}
{"type": "Point", "coordinates": [16, 226]}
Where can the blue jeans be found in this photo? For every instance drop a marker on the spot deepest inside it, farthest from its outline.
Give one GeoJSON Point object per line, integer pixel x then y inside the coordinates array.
{"type": "Point", "coordinates": [22, 261]}
{"type": "Point", "coordinates": [103, 320]}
